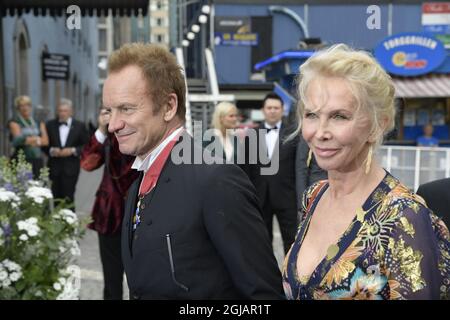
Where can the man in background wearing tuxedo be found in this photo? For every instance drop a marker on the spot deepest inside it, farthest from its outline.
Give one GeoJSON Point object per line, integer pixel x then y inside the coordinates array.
{"type": "Point", "coordinates": [67, 137]}
{"type": "Point", "coordinates": [276, 191]}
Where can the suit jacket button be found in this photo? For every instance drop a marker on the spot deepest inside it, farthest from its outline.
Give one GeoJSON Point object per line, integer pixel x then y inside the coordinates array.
{"type": "Point", "coordinates": [149, 222]}
{"type": "Point", "coordinates": [142, 206]}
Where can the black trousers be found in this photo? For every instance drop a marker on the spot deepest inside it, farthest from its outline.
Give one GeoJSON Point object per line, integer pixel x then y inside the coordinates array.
{"type": "Point", "coordinates": [111, 257]}
{"type": "Point", "coordinates": [63, 187]}
{"type": "Point", "coordinates": [287, 219]}
{"type": "Point", "coordinates": [36, 165]}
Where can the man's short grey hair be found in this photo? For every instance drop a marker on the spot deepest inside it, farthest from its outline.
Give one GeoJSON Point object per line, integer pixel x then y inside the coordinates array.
{"type": "Point", "coordinates": [65, 102]}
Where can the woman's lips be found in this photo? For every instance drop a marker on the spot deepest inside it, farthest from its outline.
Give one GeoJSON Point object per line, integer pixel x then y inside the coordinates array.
{"type": "Point", "coordinates": [325, 152]}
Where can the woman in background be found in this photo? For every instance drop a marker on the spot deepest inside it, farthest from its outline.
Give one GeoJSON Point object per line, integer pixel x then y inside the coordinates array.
{"type": "Point", "coordinates": [224, 143]}
{"type": "Point", "coordinates": [27, 135]}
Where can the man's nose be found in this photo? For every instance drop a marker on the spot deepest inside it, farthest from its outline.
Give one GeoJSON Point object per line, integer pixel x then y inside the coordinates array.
{"type": "Point", "coordinates": [115, 123]}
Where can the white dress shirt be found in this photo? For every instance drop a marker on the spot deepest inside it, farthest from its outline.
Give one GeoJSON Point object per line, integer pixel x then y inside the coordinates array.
{"type": "Point", "coordinates": [64, 132]}
{"type": "Point", "coordinates": [144, 165]}
{"type": "Point", "coordinates": [227, 146]}
{"type": "Point", "coordinates": [100, 136]}
{"type": "Point", "coordinates": [272, 137]}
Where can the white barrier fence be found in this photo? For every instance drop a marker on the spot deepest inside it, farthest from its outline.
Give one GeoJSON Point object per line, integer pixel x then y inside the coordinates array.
{"type": "Point", "coordinates": [415, 165]}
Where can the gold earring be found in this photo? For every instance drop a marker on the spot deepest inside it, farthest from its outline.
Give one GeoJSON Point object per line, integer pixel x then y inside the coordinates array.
{"type": "Point", "coordinates": [308, 162]}
{"type": "Point", "coordinates": [369, 160]}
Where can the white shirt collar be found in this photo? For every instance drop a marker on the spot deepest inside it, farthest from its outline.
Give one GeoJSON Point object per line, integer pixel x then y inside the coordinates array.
{"type": "Point", "coordinates": [144, 165]}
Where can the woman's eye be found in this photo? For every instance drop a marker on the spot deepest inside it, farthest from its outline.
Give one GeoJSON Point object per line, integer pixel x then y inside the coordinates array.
{"type": "Point", "coordinates": [310, 115]}
{"type": "Point", "coordinates": [340, 117]}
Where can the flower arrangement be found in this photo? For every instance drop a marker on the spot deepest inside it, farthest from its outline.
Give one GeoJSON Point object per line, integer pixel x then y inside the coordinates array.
{"type": "Point", "coordinates": [38, 239]}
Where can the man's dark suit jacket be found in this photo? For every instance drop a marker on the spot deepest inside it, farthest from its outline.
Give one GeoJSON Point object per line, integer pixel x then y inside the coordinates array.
{"type": "Point", "coordinates": [281, 186]}
{"type": "Point", "coordinates": [77, 138]}
{"type": "Point", "coordinates": [201, 237]}
{"type": "Point", "coordinates": [437, 197]}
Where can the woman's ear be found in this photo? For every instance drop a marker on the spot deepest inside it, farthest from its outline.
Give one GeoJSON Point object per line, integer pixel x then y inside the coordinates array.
{"type": "Point", "coordinates": [171, 107]}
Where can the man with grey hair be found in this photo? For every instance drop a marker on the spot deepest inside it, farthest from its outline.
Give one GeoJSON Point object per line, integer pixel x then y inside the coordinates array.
{"type": "Point", "coordinates": [67, 137]}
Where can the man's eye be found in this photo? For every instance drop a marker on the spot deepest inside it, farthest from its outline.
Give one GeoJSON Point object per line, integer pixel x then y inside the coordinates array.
{"type": "Point", "coordinates": [126, 110]}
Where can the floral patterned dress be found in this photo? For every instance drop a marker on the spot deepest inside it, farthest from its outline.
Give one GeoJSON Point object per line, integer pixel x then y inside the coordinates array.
{"type": "Point", "coordinates": [395, 248]}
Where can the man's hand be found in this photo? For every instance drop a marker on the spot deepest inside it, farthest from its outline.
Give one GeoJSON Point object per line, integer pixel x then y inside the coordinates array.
{"type": "Point", "coordinates": [66, 152]}
{"type": "Point", "coordinates": [103, 120]}
{"type": "Point", "coordinates": [54, 152]}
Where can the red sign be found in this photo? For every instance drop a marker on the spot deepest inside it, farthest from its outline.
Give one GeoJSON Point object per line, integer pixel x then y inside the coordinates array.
{"type": "Point", "coordinates": [436, 7]}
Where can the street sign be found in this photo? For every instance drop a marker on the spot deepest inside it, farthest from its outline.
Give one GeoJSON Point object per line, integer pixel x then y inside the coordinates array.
{"type": "Point", "coordinates": [410, 54]}
{"type": "Point", "coordinates": [55, 66]}
{"type": "Point", "coordinates": [234, 31]}
{"type": "Point", "coordinates": [436, 20]}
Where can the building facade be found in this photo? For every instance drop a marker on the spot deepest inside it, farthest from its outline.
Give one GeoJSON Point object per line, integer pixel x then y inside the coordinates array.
{"type": "Point", "coordinates": [26, 39]}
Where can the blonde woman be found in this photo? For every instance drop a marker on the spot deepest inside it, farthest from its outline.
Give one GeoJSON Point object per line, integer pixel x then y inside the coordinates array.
{"type": "Point", "coordinates": [27, 135]}
{"type": "Point", "coordinates": [224, 122]}
{"type": "Point", "coordinates": [363, 234]}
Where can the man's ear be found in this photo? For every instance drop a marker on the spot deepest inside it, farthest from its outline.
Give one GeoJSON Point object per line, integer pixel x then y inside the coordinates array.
{"type": "Point", "coordinates": [171, 107]}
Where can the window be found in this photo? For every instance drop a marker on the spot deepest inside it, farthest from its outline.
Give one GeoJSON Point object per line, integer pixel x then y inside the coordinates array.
{"type": "Point", "coordinates": [159, 38]}
{"type": "Point", "coordinates": [102, 44]}
{"type": "Point", "coordinates": [159, 22]}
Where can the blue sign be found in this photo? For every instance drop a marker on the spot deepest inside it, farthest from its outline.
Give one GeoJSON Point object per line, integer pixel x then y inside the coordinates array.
{"type": "Point", "coordinates": [410, 54]}
{"type": "Point", "coordinates": [235, 39]}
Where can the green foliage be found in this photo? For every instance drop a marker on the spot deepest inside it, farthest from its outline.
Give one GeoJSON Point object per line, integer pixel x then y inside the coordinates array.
{"type": "Point", "coordinates": [38, 239]}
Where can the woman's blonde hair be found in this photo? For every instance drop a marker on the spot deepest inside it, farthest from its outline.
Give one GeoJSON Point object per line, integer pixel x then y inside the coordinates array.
{"type": "Point", "coordinates": [22, 100]}
{"type": "Point", "coordinates": [372, 88]}
{"type": "Point", "coordinates": [221, 110]}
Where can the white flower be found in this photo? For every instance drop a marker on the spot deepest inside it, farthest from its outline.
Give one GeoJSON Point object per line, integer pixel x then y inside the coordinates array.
{"type": "Point", "coordinates": [71, 290]}
{"type": "Point", "coordinates": [3, 275]}
{"type": "Point", "coordinates": [23, 237]}
{"type": "Point", "coordinates": [38, 194]}
{"type": "Point", "coordinates": [15, 276]}
{"type": "Point", "coordinates": [6, 283]}
{"type": "Point", "coordinates": [32, 220]}
{"type": "Point", "coordinates": [69, 216]}
{"type": "Point", "coordinates": [74, 248]}
{"type": "Point", "coordinates": [57, 286]}
{"type": "Point", "coordinates": [30, 226]}
{"type": "Point", "coordinates": [62, 280]}
{"type": "Point", "coordinates": [11, 266]}
{"type": "Point", "coordinates": [6, 195]}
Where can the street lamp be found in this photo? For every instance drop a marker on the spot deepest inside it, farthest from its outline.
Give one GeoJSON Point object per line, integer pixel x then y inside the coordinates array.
{"type": "Point", "coordinates": [202, 19]}
{"type": "Point", "coordinates": [191, 36]}
{"type": "Point", "coordinates": [206, 9]}
{"type": "Point", "coordinates": [195, 28]}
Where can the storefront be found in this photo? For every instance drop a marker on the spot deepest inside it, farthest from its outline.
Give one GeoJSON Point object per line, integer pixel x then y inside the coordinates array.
{"type": "Point", "coordinates": [420, 67]}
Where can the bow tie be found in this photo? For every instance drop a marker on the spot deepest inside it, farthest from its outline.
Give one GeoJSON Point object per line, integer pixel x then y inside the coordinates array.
{"type": "Point", "coordinates": [61, 123]}
{"type": "Point", "coordinates": [274, 128]}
